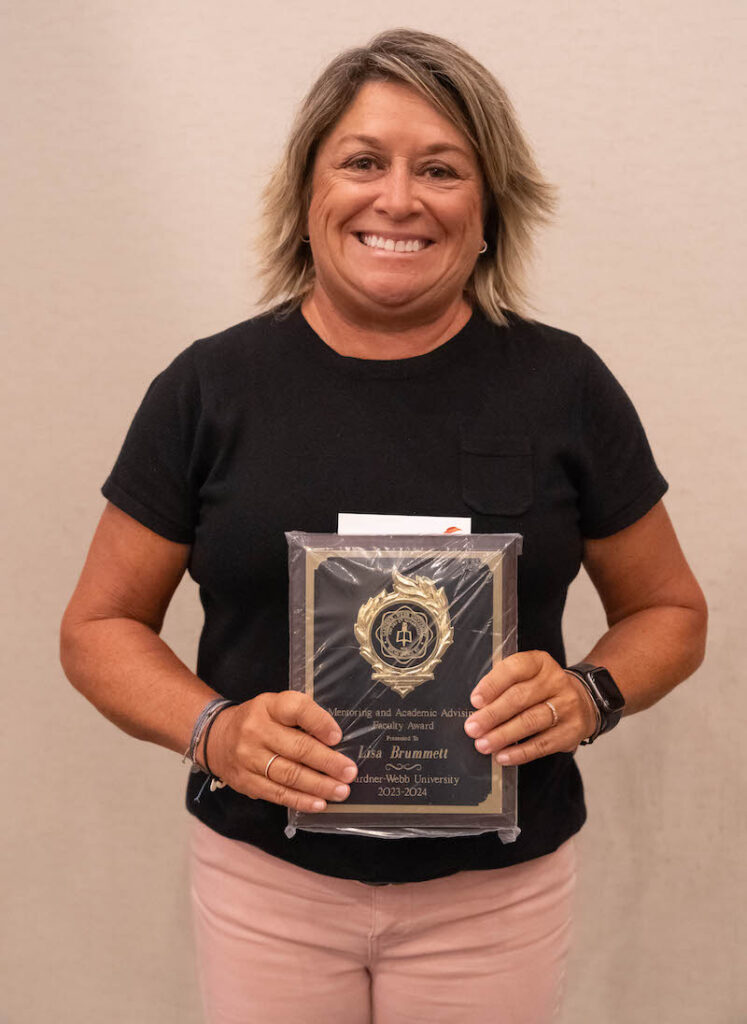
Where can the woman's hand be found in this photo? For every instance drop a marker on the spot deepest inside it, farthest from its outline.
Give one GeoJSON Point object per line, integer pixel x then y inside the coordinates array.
{"type": "Point", "coordinates": [276, 747]}
{"type": "Point", "coordinates": [513, 705]}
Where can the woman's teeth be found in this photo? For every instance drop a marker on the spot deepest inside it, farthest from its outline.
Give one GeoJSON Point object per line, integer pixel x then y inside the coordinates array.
{"type": "Point", "coordinates": [379, 242]}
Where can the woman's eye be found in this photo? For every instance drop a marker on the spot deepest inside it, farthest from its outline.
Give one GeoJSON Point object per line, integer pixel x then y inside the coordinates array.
{"type": "Point", "coordinates": [361, 163]}
{"type": "Point", "coordinates": [437, 171]}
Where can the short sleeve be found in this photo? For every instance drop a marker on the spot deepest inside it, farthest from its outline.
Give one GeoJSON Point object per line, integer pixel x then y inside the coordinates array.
{"type": "Point", "coordinates": [620, 480]}
{"type": "Point", "coordinates": [154, 477]}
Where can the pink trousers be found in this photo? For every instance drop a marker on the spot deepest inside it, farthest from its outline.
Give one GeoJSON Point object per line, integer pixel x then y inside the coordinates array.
{"type": "Point", "coordinates": [276, 943]}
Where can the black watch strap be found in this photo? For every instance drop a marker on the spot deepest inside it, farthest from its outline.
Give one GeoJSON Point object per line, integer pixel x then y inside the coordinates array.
{"type": "Point", "coordinates": [603, 690]}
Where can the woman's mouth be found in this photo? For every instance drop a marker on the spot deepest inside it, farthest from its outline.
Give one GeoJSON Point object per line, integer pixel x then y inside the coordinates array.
{"type": "Point", "coordinates": [393, 244]}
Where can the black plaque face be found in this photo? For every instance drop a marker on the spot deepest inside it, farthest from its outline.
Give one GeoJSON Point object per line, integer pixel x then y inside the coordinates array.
{"type": "Point", "coordinates": [395, 642]}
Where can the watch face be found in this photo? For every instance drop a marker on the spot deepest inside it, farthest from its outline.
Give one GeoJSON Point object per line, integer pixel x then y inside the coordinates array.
{"type": "Point", "coordinates": [605, 685]}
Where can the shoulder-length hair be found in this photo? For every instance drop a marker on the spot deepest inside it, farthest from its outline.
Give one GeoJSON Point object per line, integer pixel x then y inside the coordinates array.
{"type": "Point", "coordinates": [517, 198]}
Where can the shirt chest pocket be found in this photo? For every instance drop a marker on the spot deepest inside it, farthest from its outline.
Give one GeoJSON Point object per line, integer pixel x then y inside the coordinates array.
{"type": "Point", "coordinates": [497, 473]}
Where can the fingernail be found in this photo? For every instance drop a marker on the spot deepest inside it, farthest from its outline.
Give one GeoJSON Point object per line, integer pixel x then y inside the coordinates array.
{"type": "Point", "coordinates": [350, 773]}
{"type": "Point", "coordinates": [319, 805]}
{"type": "Point", "coordinates": [482, 745]}
{"type": "Point", "coordinates": [471, 727]}
{"type": "Point", "coordinates": [477, 700]}
{"type": "Point", "coordinates": [334, 737]}
{"type": "Point", "coordinates": [503, 758]}
{"type": "Point", "coordinates": [341, 792]}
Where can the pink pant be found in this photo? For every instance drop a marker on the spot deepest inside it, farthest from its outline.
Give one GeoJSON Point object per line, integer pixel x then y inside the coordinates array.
{"type": "Point", "coordinates": [277, 943]}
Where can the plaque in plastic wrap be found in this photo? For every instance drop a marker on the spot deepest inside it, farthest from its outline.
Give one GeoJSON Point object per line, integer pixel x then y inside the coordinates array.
{"type": "Point", "coordinates": [390, 635]}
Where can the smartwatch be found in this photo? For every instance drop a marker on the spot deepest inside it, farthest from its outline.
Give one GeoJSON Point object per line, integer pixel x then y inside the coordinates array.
{"type": "Point", "coordinates": [601, 687]}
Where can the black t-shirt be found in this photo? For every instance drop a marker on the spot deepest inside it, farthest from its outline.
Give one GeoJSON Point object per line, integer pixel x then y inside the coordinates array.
{"type": "Point", "coordinates": [264, 428]}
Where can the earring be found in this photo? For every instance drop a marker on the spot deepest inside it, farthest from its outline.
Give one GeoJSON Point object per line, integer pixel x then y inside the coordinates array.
{"type": "Point", "coordinates": [484, 247]}
{"type": "Point", "coordinates": [304, 239]}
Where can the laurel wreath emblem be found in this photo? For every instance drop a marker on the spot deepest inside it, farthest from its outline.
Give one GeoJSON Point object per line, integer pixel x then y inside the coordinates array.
{"type": "Point", "coordinates": [418, 591]}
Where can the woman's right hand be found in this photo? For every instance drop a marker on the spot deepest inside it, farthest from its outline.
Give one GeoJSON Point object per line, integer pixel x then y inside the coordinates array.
{"type": "Point", "coordinates": [305, 774]}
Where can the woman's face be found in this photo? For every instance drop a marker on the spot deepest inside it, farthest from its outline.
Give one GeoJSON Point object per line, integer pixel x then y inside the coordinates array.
{"type": "Point", "coordinates": [395, 218]}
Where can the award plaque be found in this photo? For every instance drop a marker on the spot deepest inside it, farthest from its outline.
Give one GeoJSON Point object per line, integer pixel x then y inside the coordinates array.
{"type": "Point", "coordinates": [390, 635]}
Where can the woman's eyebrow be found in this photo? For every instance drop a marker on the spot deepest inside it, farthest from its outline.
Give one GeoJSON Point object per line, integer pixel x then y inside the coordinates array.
{"type": "Point", "coordinates": [434, 147]}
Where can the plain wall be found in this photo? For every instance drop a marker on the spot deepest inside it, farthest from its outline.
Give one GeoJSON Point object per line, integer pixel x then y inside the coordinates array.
{"type": "Point", "coordinates": [138, 137]}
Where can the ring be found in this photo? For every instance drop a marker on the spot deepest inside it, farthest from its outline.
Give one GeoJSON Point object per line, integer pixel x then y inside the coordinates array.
{"type": "Point", "coordinates": [267, 766]}
{"type": "Point", "coordinates": [554, 713]}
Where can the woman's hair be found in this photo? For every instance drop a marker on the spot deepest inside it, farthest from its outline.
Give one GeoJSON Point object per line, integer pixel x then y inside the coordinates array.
{"type": "Point", "coordinates": [517, 198]}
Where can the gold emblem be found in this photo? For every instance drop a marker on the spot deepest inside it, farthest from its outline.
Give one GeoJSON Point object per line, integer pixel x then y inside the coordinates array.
{"type": "Point", "coordinates": [404, 633]}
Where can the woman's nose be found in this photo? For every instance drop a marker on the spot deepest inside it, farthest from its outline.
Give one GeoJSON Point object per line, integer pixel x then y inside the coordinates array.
{"type": "Point", "coordinates": [397, 195]}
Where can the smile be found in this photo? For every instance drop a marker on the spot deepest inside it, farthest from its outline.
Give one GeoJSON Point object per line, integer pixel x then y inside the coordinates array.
{"type": "Point", "coordinates": [393, 245]}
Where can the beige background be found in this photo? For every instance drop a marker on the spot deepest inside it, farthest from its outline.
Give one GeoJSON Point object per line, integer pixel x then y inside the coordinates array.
{"type": "Point", "coordinates": [139, 136]}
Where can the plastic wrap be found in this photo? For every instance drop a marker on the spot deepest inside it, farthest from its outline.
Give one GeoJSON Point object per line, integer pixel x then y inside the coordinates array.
{"type": "Point", "coordinates": [390, 634]}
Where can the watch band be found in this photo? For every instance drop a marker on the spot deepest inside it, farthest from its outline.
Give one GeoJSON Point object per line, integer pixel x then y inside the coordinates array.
{"type": "Point", "coordinates": [602, 689]}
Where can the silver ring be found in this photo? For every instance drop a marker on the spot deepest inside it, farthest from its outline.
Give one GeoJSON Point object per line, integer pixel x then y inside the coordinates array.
{"type": "Point", "coordinates": [551, 706]}
{"type": "Point", "coordinates": [267, 766]}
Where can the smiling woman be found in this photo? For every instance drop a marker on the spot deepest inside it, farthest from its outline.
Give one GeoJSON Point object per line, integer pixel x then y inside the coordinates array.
{"type": "Point", "coordinates": [407, 109]}
{"type": "Point", "coordinates": [377, 186]}
{"type": "Point", "coordinates": [395, 370]}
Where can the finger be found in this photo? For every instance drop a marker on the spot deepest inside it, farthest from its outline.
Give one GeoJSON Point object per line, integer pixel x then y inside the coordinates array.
{"type": "Point", "coordinates": [295, 777]}
{"type": "Point", "coordinates": [530, 750]}
{"type": "Point", "coordinates": [564, 735]}
{"type": "Point", "coordinates": [305, 749]}
{"type": "Point", "coordinates": [536, 719]}
{"type": "Point", "coordinates": [512, 703]}
{"type": "Point", "coordinates": [260, 788]}
{"type": "Point", "coordinates": [512, 670]}
{"type": "Point", "coordinates": [292, 708]}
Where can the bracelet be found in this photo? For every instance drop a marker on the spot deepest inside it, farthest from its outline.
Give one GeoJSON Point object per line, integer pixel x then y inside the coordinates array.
{"type": "Point", "coordinates": [597, 713]}
{"type": "Point", "coordinates": [208, 727]}
{"type": "Point", "coordinates": [203, 724]}
{"type": "Point", "coordinates": [204, 719]}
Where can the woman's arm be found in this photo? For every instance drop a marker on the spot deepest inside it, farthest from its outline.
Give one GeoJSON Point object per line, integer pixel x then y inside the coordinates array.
{"type": "Point", "coordinates": [109, 643]}
{"type": "Point", "coordinates": [657, 618]}
{"type": "Point", "coordinates": [655, 609]}
{"type": "Point", "coordinates": [111, 652]}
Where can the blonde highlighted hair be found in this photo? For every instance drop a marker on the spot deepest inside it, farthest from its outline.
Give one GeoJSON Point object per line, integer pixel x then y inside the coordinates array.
{"type": "Point", "coordinates": [517, 198]}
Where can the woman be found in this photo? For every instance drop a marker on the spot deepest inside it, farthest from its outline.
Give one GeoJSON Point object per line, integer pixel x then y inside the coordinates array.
{"type": "Point", "coordinates": [398, 376]}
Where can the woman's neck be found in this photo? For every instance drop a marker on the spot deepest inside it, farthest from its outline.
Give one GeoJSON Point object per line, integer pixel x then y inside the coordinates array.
{"type": "Point", "coordinates": [397, 339]}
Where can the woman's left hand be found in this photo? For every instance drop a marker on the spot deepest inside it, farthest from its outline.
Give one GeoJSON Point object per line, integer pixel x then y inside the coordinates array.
{"type": "Point", "coordinates": [513, 705]}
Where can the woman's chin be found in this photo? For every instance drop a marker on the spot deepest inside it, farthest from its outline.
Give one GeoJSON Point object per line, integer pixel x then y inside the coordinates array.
{"type": "Point", "coordinates": [392, 295]}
